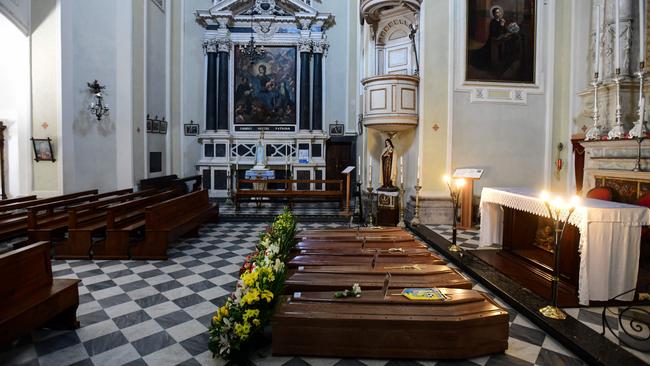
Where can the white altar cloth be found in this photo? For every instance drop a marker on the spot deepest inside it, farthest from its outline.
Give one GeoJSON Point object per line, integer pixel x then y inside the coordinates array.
{"type": "Point", "coordinates": [610, 238]}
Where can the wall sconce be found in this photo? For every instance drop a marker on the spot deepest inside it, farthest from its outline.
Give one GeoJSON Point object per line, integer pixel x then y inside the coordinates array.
{"type": "Point", "coordinates": [559, 162]}
{"type": "Point", "coordinates": [97, 106]}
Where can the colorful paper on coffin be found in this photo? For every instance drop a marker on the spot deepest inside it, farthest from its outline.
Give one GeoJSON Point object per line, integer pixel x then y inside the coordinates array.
{"type": "Point", "coordinates": [468, 324]}
{"type": "Point", "coordinates": [305, 281]}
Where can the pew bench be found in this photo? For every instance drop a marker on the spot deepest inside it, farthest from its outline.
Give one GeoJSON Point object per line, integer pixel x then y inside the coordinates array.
{"type": "Point", "coordinates": [171, 219]}
{"type": "Point", "coordinates": [124, 224]}
{"type": "Point", "coordinates": [290, 194]}
{"type": "Point", "coordinates": [31, 298]}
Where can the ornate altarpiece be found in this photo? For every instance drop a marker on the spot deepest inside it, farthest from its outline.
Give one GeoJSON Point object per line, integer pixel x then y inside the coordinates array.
{"type": "Point", "coordinates": [278, 98]}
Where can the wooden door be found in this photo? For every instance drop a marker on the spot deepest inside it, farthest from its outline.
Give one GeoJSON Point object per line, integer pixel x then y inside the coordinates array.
{"type": "Point", "coordinates": [339, 156]}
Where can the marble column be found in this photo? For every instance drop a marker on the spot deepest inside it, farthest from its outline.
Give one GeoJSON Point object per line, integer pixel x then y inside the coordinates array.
{"type": "Point", "coordinates": [211, 87]}
{"type": "Point", "coordinates": [317, 93]}
{"type": "Point", "coordinates": [222, 114]}
{"type": "Point", "coordinates": [304, 47]}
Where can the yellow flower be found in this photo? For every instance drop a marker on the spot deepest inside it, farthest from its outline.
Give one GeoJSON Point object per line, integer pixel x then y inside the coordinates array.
{"type": "Point", "coordinates": [251, 296]}
{"type": "Point", "coordinates": [242, 330]}
{"type": "Point", "coordinates": [256, 322]}
{"type": "Point", "coordinates": [267, 295]}
{"type": "Point", "coordinates": [252, 313]}
{"type": "Point", "coordinates": [216, 319]}
{"type": "Point", "coordinates": [249, 278]}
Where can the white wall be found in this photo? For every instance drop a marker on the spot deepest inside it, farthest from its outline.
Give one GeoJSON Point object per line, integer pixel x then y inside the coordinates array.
{"type": "Point", "coordinates": [156, 78]}
{"type": "Point", "coordinates": [15, 107]}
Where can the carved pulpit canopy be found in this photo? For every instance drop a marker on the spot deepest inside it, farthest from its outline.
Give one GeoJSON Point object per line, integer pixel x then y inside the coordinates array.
{"type": "Point", "coordinates": [266, 13]}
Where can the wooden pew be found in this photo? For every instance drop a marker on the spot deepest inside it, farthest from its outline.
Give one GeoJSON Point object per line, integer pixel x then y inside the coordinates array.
{"type": "Point", "coordinates": [157, 182]}
{"type": "Point", "coordinates": [31, 298]}
{"type": "Point", "coordinates": [166, 221]}
{"type": "Point", "coordinates": [49, 222]}
{"type": "Point", "coordinates": [16, 200]}
{"type": "Point", "coordinates": [289, 194]}
{"type": "Point", "coordinates": [88, 220]}
{"type": "Point", "coordinates": [125, 223]}
{"type": "Point", "coordinates": [13, 216]}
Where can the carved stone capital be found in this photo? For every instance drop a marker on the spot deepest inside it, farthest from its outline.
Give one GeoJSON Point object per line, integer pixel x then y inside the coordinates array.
{"type": "Point", "coordinates": [320, 46]}
{"type": "Point", "coordinates": [210, 45]}
{"type": "Point", "coordinates": [304, 22]}
{"type": "Point", "coordinates": [224, 45]}
{"type": "Point", "coordinates": [304, 45]}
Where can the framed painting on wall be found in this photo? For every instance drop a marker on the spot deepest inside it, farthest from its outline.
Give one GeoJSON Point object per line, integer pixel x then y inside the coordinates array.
{"type": "Point", "coordinates": [501, 39]}
{"type": "Point", "coordinates": [265, 91]}
{"type": "Point", "coordinates": [43, 149]}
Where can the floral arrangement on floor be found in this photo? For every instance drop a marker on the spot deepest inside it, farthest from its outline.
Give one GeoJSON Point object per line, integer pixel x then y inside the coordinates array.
{"type": "Point", "coordinates": [261, 280]}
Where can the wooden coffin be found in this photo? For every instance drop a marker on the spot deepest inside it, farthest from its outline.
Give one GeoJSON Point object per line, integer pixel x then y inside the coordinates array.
{"type": "Point", "coordinates": [467, 324]}
{"type": "Point", "coordinates": [304, 280]}
{"type": "Point", "coordinates": [367, 260]}
{"type": "Point", "coordinates": [335, 245]}
{"type": "Point", "coordinates": [359, 230]}
{"type": "Point", "coordinates": [358, 237]}
{"type": "Point", "coordinates": [393, 252]}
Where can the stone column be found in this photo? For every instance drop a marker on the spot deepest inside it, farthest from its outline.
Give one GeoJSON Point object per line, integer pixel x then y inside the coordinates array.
{"type": "Point", "coordinates": [210, 48]}
{"type": "Point", "coordinates": [224, 46]}
{"type": "Point", "coordinates": [304, 47]}
{"type": "Point", "coordinates": [318, 49]}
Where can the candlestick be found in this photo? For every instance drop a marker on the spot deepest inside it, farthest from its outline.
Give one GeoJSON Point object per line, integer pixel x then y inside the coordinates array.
{"type": "Point", "coordinates": [369, 174]}
{"type": "Point", "coordinates": [617, 131]}
{"type": "Point", "coordinates": [597, 42]}
{"type": "Point", "coordinates": [369, 221]}
{"type": "Point", "coordinates": [401, 222]}
{"type": "Point", "coordinates": [359, 167]}
{"type": "Point", "coordinates": [595, 131]}
{"type": "Point", "coordinates": [229, 180]}
{"type": "Point", "coordinates": [617, 39]}
{"type": "Point", "coordinates": [416, 215]}
{"type": "Point", "coordinates": [642, 30]}
{"type": "Point", "coordinates": [639, 130]}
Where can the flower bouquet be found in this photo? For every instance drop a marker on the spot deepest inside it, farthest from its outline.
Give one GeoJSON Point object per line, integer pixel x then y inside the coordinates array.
{"type": "Point", "coordinates": [250, 307]}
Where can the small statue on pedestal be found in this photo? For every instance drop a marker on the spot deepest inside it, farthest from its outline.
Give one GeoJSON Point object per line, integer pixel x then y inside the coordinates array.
{"type": "Point", "coordinates": [387, 166]}
{"type": "Point", "coordinates": [260, 154]}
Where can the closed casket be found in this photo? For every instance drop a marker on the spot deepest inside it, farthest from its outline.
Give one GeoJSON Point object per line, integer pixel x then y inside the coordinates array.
{"type": "Point", "coordinates": [466, 324]}
{"type": "Point", "coordinates": [392, 252]}
{"type": "Point", "coordinates": [337, 244]}
{"type": "Point", "coordinates": [324, 260]}
{"type": "Point", "coordinates": [339, 278]}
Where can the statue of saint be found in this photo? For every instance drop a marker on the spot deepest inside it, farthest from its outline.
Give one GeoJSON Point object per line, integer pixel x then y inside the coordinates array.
{"type": "Point", "coordinates": [260, 154]}
{"type": "Point", "coordinates": [387, 164]}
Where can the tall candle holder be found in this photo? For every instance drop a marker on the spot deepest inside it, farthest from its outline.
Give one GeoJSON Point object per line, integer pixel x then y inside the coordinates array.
{"type": "Point", "coordinates": [555, 210]}
{"type": "Point", "coordinates": [401, 222]}
{"type": "Point", "coordinates": [369, 221]}
{"type": "Point", "coordinates": [229, 193]}
{"type": "Point", "coordinates": [596, 130]}
{"type": "Point", "coordinates": [455, 195]}
{"type": "Point", "coordinates": [639, 130]}
{"type": "Point", "coordinates": [637, 166]}
{"type": "Point", "coordinates": [617, 132]}
{"type": "Point", "coordinates": [415, 221]}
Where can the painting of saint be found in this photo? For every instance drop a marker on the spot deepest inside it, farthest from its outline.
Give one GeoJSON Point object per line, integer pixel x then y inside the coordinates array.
{"type": "Point", "coordinates": [501, 41]}
{"type": "Point", "coordinates": [265, 90]}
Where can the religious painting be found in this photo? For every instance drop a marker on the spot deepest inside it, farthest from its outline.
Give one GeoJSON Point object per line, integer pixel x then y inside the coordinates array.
{"type": "Point", "coordinates": [265, 90]}
{"type": "Point", "coordinates": [43, 149]}
{"type": "Point", "coordinates": [501, 41]}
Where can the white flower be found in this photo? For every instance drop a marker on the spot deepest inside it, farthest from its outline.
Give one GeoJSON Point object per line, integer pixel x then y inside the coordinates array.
{"type": "Point", "coordinates": [279, 266]}
{"type": "Point", "coordinates": [356, 290]}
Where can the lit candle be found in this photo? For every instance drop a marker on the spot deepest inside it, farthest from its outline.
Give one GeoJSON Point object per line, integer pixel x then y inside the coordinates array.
{"type": "Point", "coordinates": [370, 174]}
{"type": "Point", "coordinates": [597, 41]}
{"type": "Point", "coordinates": [617, 38]}
{"type": "Point", "coordinates": [642, 15]}
{"type": "Point", "coordinates": [418, 169]}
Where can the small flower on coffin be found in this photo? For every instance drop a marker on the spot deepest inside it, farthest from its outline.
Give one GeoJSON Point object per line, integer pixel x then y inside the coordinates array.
{"type": "Point", "coordinates": [356, 290]}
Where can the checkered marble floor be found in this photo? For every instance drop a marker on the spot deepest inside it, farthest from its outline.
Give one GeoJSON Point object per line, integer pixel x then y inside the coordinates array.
{"type": "Point", "coordinates": [157, 312]}
{"type": "Point", "coordinates": [590, 316]}
{"type": "Point", "coordinates": [466, 239]}
{"type": "Point", "coordinates": [269, 208]}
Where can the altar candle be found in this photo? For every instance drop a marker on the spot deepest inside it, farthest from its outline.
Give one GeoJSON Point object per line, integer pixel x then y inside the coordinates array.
{"type": "Point", "coordinates": [401, 170]}
{"type": "Point", "coordinates": [359, 167]}
{"type": "Point", "coordinates": [617, 37]}
{"type": "Point", "coordinates": [597, 41]}
{"type": "Point", "coordinates": [369, 174]}
{"type": "Point", "coordinates": [642, 30]}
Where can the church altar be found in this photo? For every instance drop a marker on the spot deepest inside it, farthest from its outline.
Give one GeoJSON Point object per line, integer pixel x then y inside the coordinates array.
{"type": "Point", "coordinates": [610, 235]}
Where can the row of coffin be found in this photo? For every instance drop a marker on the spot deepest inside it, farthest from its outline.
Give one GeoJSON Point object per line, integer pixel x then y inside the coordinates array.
{"type": "Point", "coordinates": [382, 322]}
{"type": "Point", "coordinates": [114, 225]}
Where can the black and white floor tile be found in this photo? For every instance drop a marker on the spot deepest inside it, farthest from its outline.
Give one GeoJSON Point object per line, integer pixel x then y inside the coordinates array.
{"type": "Point", "coordinates": [466, 239]}
{"type": "Point", "coordinates": [157, 312]}
{"type": "Point", "coordinates": [270, 208]}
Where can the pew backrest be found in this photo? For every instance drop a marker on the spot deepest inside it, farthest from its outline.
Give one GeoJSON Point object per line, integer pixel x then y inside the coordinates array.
{"type": "Point", "coordinates": [27, 204]}
{"type": "Point", "coordinates": [24, 270]}
{"type": "Point", "coordinates": [163, 213]}
{"type": "Point", "coordinates": [76, 212]}
{"type": "Point", "coordinates": [10, 201]}
{"type": "Point", "coordinates": [117, 211]}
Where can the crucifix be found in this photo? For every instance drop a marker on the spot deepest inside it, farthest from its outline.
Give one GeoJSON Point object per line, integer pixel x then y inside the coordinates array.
{"type": "Point", "coordinates": [2, 160]}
